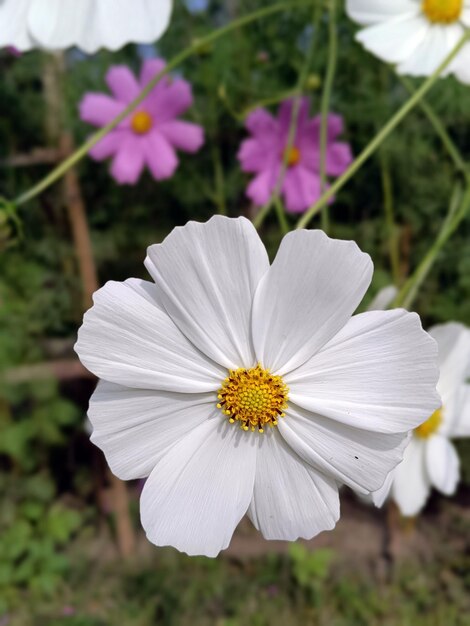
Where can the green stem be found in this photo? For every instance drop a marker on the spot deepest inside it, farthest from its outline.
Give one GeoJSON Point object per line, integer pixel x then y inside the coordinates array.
{"type": "Point", "coordinates": [393, 248]}
{"type": "Point", "coordinates": [325, 103]}
{"type": "Point", "coordinates": [74, 158]}
{"type": "Point", "coordinates": [440, 129]}
{"type": "Point", "coordinates": [266, 102]}
{"type": "Point", "coordinates": [382, 135]}
{"type": "Point", "coordinates": [264, 211]}
{"type": "Point", "coordinates": [458, 210]}
{"type": "Point", "coordinates": [281, 215]}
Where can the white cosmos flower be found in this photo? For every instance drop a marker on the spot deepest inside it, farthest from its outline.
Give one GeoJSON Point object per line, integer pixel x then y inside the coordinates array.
{"type": "Point", "coordinates": [417, 35]}
{"type": "Point", "coordinates": [199, 368]}
{"type": "Point", "coordinates": [88, 24]}
{"type": "Point", "coordinates": [431, 460]}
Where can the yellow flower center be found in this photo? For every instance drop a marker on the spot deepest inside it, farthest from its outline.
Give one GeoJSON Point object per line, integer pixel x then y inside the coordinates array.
{"type": "Point", "coordinates": [253, 397]}
{"type": "Point", "coordinates": [442, 11]}
{"type": "Point", "coordinates": [141, 122]}
{"type": "Point", "coordinates": [430, 426]}
{"type": "Point", "coordinates": [292, 156]}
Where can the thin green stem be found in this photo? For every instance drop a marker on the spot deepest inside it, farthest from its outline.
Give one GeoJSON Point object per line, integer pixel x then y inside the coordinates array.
{"type": "Point", "coordinates": [281, 215]}
{"type": "Point", "coordinates": [266, 102]}
{"type": "Point", "coordinates": [275, 196]}
{"type": "Point", "coordinates": [382, 135]}
{"type": "Point", "coordinates": [74, 158]}
{"type": "Point", "coordinates": [458, 210]}
{"type": "Point", "coordinates": [434, 119]}
{"type": "Point", "coordinates": [392, 239]}
{"type": "Point", "coordinates": [325, 103]}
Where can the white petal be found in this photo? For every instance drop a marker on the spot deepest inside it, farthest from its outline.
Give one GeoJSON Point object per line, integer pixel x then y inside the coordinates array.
{"type": "Point", "coordinates": [374, 11]}
{"type": "Point", "coordinates": [442, 463]}
{"type": "Point", "coordinates": [461, 65]}
{"type": "Point", "coordinates": [13, 24]}
{"type": "Point", "coordinates": [432, 50]}
{"type": "Point", "coordinates": [395, 40]}
{"type": "Point", "coordinates": [291, 499]}
{"type": "Point", "coordinates": [147, 290]}
{"type": "Point", "coordinates": [127, 340]}
{"type": "Point", "coordinates": [411, 486]}
{"type": "Point", "coordinates": [94, 24]}
{"type": "Point", "coordinates": [135, 427]}
{"type": "Point", "coordinates": [453, 342]}
{"type": "Point", "coordinates": [309, 293]}
{"type": "Point", "coordinates": [383, 299]}
{"type": "Point", "coordinates": [465, 17]}
{"type": "Point", "coordinates": [207, 275]}
{"type": "Point", "coordinates": [201, 489]}
{"type": "Point", "coordinates": [379, 373]}
{"type": "Point", "coordinates": [358, 458]}
{"type": "Point", "coordinates": [379, 496]}
{"type": "Point", "coordinates": [460, 426]}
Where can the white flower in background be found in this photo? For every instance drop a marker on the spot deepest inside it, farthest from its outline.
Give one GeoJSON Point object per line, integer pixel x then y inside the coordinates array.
{"type": "Point", "coordinates": [417, 35]}
{"type": "Point", "coordinates": [383, 299]}
{"type": "Point", "coordinates": [88, 24]}
{"type": "Point", "coordinates": [431, 460]}
{"type": "Point", "coordinates": [239, 387]}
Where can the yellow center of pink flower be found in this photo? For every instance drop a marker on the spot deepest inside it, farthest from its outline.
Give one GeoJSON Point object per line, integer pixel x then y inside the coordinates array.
{"type": "Point", "coordinates": [442, 11]}
{"type": "Point", "coordinates": [430, 426]}
{"type": "Point", "coordinates": [141, 122]}
{"type": "Point", "coordinates": [292, 156]}
{"type": "Point", "coordinates": [254, 398]}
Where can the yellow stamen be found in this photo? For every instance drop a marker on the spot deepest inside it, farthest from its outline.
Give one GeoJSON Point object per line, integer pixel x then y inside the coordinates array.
{"type": "Point", "coordinates": [141, 123]}
{"type": "Point", "coordinates": [253, 397]}
{"type": "Point", "coordinates": [442, 11]}
{"type": "Point", "coordinates": [430, 426]}
{"type": "Point", "coordinates": [292, 156]}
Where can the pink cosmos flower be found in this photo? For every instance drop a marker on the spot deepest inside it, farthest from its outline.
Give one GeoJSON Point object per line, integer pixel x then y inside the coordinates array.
{"type": "Point", "coordinates": [264, 152]}
{"type": "Point", "coordinates": [13, 51]}
{"type": "Point", "coordinates": [149, 136]}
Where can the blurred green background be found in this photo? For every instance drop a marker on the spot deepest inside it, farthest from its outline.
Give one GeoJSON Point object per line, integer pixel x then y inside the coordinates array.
{"type": "Point", "coordinates": [58, 560]}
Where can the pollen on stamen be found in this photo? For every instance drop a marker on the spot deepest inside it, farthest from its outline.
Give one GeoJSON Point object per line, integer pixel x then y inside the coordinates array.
{"type": "Point", "coordinates": [442, 11]}
{"type": "Point", "coordinates": [254, 398]}
{"type": "Point", "coordinates": [430, 426]}
{"type": "Point", "coordinates": [292, 156]}
{"type": "Point", "coordinates": [141, 122]}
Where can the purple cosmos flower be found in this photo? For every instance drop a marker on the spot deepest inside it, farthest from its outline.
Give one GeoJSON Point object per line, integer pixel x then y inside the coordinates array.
{"type": "Point", "coordinates": [264, 152]}
{"type": "Point", "coordinates": [149, 136]}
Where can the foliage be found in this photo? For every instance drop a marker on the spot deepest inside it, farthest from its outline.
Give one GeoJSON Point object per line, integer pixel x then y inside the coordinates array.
{"type": "Point", "coordinates": [171, 589]}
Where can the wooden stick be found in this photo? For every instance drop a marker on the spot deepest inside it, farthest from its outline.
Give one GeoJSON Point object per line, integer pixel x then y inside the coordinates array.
{"type": "Point", "coordinates": [53, 79]}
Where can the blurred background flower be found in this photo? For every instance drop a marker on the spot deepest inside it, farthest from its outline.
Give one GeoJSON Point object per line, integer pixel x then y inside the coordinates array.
{"type": "Point", "coordinates": [265, 152]}
{"type": "Point", "coordinates": [417, 35]}
{"type": "Point", "coordinates": [152, 134]}
{"type": "Point", "coordinates": [88, 24]}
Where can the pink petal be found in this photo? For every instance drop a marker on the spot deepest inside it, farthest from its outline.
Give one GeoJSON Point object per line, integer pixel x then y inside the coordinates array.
{"type": "Point", "coordinates": [252, 155]}
{"type": "Point", "coordinates": [301, 189]}
{"type": "Point", "coordinates": [160, 156]}
{"type": "Point", "coordinates": [150, 68]}
{"type": "Point", "coordinates": [129, 161]}
{"type": "Point", "coordinates": [285, 116]}
{"type": "Point", "coordinates": [99, 109]}
{"type": "Point", "coordinates": [122, 83]}
{"type": "Point", "coordinates": [338, 158]}
{"type": "Point", "coordinates": [168, 101]}
{"type": "Point", "coordinates": [261, 187]}
{"type": "Point", "coordinates": [335, 127]}
{"type": "Point", "coordinates": [108, 146]}
{"type": "Point", "coordinates": [183, 135]}
{"type": "Point", "coordinates": [260, 122]}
